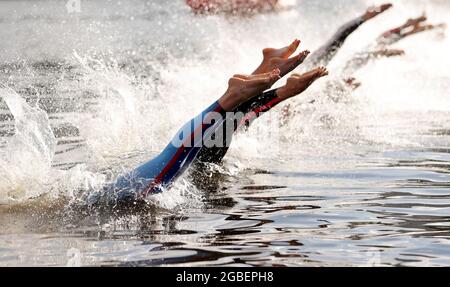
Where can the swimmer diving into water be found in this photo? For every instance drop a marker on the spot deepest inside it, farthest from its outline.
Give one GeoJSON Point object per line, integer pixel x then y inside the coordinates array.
{"type": "Point", "coordinates": [381, 48]}
{"type": "Point", "coordinates": [411, 27]}
{"type": "Point", "coordinates": [276, 58]}
{"type": "Point", "coordinates": [273, 58]}
{"type": "Point", "coordinates": [326, 53]}
{"type": "Point", "coordinates": [158, 173]}
{"type": "Point", "coordinates": [253, 108]}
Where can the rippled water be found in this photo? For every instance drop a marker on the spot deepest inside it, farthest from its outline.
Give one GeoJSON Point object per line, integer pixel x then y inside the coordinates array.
{"type": "Point", "coordinates": [362, 180]}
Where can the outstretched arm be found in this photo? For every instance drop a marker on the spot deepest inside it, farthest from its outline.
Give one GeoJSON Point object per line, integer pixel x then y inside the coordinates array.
{"type": "Point", "coordinates": [324, 54]}
{"type": "Point", "coordinates": [272, 59]}
{"type": "Point", "coordinates": [411, 27]}
{"type": "Point", "coordinates": [296, 84]}
{"type": "Point", "coordinates": [178, 155]}
{"type": "Point", "coordinates": [256, 106]}
{"type": "Point", "coordinates": [422, 28]}
{"type": "Point", "coordinates": [395, 34]}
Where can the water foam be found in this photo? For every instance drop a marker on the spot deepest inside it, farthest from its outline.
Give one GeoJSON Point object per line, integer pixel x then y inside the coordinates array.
{"type": "Point", "coordinates": [26, 161]}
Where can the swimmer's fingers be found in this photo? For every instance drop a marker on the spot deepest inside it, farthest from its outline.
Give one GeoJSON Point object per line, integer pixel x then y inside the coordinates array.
{"type": "Point", "coordinates": [322, 72]}
{"type": "Point", "coordinates": [287, 51]}
{"type": "Point", "coordinates": [307, 78]}
{"type": "Point", "coordinates": [287, 65]}
{"type": "Point", "coordinates": [297, 83]}
{"type": "Point", "coordinates": [374, 11]}
{"type": "Point", "coordinates": [352, 83]}
{"type": "Point", "coordinates": [315, 73]}
{"type": "Point", "coordinates": [283, 53]}
{"type": "Point", "coordinates": [422, 17]}
{"type": "Point", "coordinates": [241, 76]}
{"type": "Point", "coordinates": [264, 79]}
{"type": "Point", "coordinates": [257, 76]}
{"type": "Point", "coordinates": [432, 26]}
{"type": "Point", "coordinates": [292, 48]}
{"type": "Point", "coordinates": [295, 61]}
{"type": "Point", "coordinates": [383, 7]}
{"type": "Point", "coordinates": [415, 21]}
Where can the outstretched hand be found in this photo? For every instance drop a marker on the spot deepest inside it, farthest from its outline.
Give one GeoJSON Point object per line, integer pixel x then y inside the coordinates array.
{"type": "Point", "coordinates": [297, 84]}
{"type": "Point", "coordinates": [352, 83]}
{"type": "Point", "coordinates": [415, 21]}
{"type": "Point", "coordinates": [243, 87]}
{"type": "Point", "coordinates": [424, 27]}
{"type": "Point", "coordinates": [279, 59]}
{"type": "Point", "coordinates": [374, 11]}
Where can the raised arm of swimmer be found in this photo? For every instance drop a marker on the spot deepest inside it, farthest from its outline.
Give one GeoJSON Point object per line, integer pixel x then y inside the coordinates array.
{"type": "Point", "coordinates": [325, 53]}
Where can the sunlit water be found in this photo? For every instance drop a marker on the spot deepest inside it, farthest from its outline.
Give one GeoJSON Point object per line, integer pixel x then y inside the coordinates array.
{"type": "Point", "coordinates": [358, 178]}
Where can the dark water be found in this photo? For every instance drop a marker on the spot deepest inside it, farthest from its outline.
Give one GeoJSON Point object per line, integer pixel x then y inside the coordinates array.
{"type": "Point", "coordinates": [360, 181]}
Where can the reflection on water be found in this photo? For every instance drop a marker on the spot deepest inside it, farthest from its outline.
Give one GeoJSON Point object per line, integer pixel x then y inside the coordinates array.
{"type": "Point", "coordinates": [358, 181]}
{"type": "Point", "coordinates": [354, 217]}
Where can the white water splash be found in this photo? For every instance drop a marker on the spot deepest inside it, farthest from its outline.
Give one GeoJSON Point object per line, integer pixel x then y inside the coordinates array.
{"type": "Point", "coordinates": [26, 161]}
{"type": "Point", "coordinates": [122, 121]}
